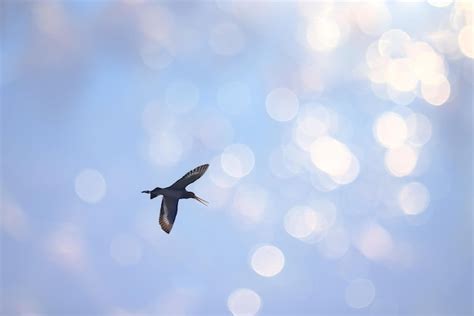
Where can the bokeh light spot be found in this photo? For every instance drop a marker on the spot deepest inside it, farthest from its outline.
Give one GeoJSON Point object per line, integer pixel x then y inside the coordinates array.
{"type": "Point", "coordinates": [323, 34]}
{"type": "Point", "coordinates": [165, 149]}
{"type": "Point", "coordinates": [419, 129]}
{"type": "Point", "coordinates": [282, 104]}
{"type": "Point", "coordinates": [90, 185]}
{"type": "Point", "coordinates": [401, 161]}
{"type": "Point", "coordinates": [390, 130]}
{"type": "Point", "coordinates": [424, 60]}
{"type": "Point", "coordinates": [393, 43]}
{"type": "Point", "coordinates": [335, 243]}
{"type": "Point", "coordinates": [377, 63]}
{"type": "Point", "coordinates": [375, 242]}
{"type": "Point", "coordinates": [217, 174]}
{"type": "Point", "coordinates": [250, 201]}
{"type": "Point", "coordinates": [243, 302]}
{"type": "Point", "coordinates": [331, 156]}
{"type": "Point", "coordinates": [401, 97]}
{"type": "Point", "coordinates": [414, 198]}
{"type": "Point", "coordinates": [440, 3]}
{"type": "Point", "coordinates": [465, 41]}
{"type": "Point", "coordinates": [237, 160]}
{"type": "Point", "coordinates": [373, 17]}
{"type": "Point", "coordinates": [312, 121]}
{"type": "Point", "coordinates": [436, 91]}
{"type": "Point", "coordinates": [14, 220]}
{"type": "Point", "coordinates": [302, 221]}
{"type": "Point", "coordinates": [66, 247]}
{"type": "Point", "coordinates": [267, 261]}
{"type": "Point", "coordinates": [400, 75]}
{"type": "Point", "coordinates": [351, 174]}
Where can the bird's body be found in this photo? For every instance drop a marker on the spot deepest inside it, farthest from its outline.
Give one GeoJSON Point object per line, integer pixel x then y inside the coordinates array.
{"type": "Point", "coordinates": [175, 192]}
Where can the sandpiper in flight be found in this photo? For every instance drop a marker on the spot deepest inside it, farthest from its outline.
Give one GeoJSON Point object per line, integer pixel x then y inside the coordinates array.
{"type": "Point", "coordinates": [172, 194]}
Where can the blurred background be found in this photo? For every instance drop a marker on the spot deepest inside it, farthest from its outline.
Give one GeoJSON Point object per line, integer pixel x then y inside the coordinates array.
{"type": "Point", "coordinates": [339, 137]}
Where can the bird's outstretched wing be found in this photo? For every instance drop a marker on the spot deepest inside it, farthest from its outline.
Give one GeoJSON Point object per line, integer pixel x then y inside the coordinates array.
{"type": "Point", "coordinates": [189, 177]}
{"type": "Point", "coordinates": [169, 209]}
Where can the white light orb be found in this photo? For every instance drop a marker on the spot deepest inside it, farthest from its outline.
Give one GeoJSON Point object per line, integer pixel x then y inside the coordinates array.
{"type": "Point", "coordinates": [267, 261]}
{"type": "Point", "coordinates": [302, 221]}
{"type": "Point", "coordinates": [440, 3]}
{"type": "Point", "coordinates": [393, 43]}
{"type": "Point", "coordinates": [419, 129]}
{"type": "Point", "coordinates": [465, 40]}
{"type": "Point", "coordinates": [14, 222]}
{"type": "Point", "coordinates": [426, 63]}
{"type": "Point", "coordinates": [414, 198]}
{"type": "Point", "coordinates": [237, 160]}
{"type": "Point", "coordinates": [282, 104]}
{"type": "Point", "coordinates": [165, 149]}
{"type": "Point", "coordinates": [375, 242]}
{"type": "Point", "coordinates": [401, 97]}
{"type": "Point", "coordinates": [401, 161]}
{"type": "Point", "coordinates": [66, 246]}
{"type": "Point", "coordinates": [373, 17]}
{"type": "Point", "coordinates": [331, 156]}
{"type": "Point", "coordinates": [335, 243]}
{"type": "Point", "coordinates": [244, 302]}
{"type": "Point", "coordinates": [251, 201]}
{"type": "Point", "coordinates": [436, 91]}
{"type": "Point", "coordinates": [90, 186]}
{"type": "Point", "coordinates": [312, 121]}
{"type": "Point", "coordinates": [391, 130]}
{"type": "Point", "coordinates": [219, 177]}
{"type": "Point", "coordinates": [351, 174]}
{"type": "Point", "coordinates": [400, 75]}
{"type": "Point", "coordinates": [323, 34]}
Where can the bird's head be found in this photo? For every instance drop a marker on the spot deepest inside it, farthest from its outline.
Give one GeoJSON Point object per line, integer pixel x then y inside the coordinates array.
{"type": "Point", "coordinates": [197, 198]}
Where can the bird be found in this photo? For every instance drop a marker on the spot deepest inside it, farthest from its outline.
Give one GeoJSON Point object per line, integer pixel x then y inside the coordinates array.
{"type": "Point", "coordinates": [175, 192]}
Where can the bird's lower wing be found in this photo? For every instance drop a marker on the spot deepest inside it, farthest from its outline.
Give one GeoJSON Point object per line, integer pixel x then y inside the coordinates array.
{"type": "Point", "coordinates": [169, 209]}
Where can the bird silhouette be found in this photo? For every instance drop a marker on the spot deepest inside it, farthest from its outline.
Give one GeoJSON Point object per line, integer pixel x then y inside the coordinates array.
{"type": "Point", "coordinates": [175, 192]}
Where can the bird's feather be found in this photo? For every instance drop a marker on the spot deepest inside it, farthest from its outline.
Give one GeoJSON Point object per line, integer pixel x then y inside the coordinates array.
{"type": "Point", "coordinates": [169, 209]}
{"type": "Point", "coordinates": [189, 177]}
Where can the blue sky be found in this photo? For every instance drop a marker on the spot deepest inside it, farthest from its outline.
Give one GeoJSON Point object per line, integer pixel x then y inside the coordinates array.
{"type": "Point", "coordinates": [339, 137]}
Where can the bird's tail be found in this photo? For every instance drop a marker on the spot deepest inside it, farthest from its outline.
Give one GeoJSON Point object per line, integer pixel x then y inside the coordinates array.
{"type": "Point", "coordinates": [152, 194]}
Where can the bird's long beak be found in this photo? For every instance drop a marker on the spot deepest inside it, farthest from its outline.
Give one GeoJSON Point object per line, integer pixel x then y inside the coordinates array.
{"type": "Point", "coordinates": [201, 200]}
{"type": "Point", "coordinates": [145, 191]}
